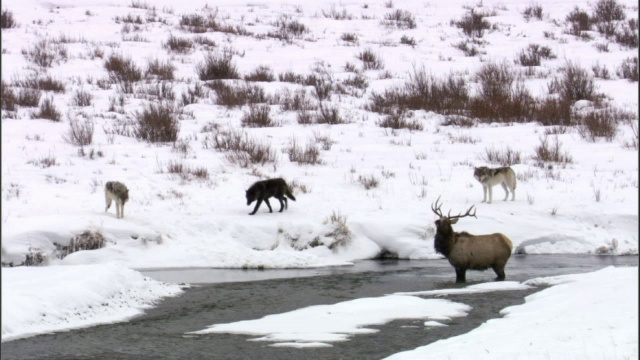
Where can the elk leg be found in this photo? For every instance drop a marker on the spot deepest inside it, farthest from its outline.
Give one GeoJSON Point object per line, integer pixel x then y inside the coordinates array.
{"type": "Point", "coordinates": [460, 275]}
{"type": "Point", "coordinates": [499, 270]}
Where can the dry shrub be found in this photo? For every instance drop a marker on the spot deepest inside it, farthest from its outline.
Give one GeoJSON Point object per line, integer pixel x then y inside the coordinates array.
{"type": "Point", "coordinates": [160, 70]}
{"type": "Point", "coordinates": [505, 157]}
{"type": "Point", "coordinates": [235, 94]}
{"type": "Point", "coordinates": [402, 19]}
{"type": "Point", "coordinates": [35, 257]}
{"type": "Point", "coordinates": [628, 69]}
{"type": "Point", "coordinates": [46, 53]}
{"type": "Point", "coordinates": [546, 152]}
{"type": "Point", "coordinates": [197, 91]}
{"type": "Point", "coordinates": [88, 240]}
{"type": "Point", "coordinates": [240, 149]}
{"type": "Point", "coordinates": [28, 97]}
{"type": "Point", "coordinates": [600, 123]}
{"type": "Point", "coordinates": [533, 54]}
{"type": "Point", "coordinates": [157, 123]}
{"type": "Point", "coordinates": [80, 132]}
{"type": "Point", "coordinates": [370, 60]}
{"type": "Point", "coordinates": [579, 21]}
{"type": "Point", "coordinates": [258, 116]}
{"type": "Point", "coordinates": [41, 82]}
{"type": "Point", "coordinates": [533, 11]}
{"type": "Point", "coordinates": [7, 20]}
{"type": "Point", "coordinates": [47, 110]}
{"type": "Point", "coordinates": [341, 233]}
{"type": "Point", "coordinates": [369, 181]}
{"type": "Point", "coordinates": [309, 155]}
{"type": "Point", "coordinates": [217, 66]}
{"type": "Point", "coordinates": [8, 98]}
{"type": "Point", "coordinates": [178, 45]}
{"type": "Point", "coordinates": [400, 120]}
{"type": "Point", "coordinates": [473, 24]}
{"type": "Point", "coordinates": [81, 98]}
{"type": "Point", "coordinates": [261, 73]}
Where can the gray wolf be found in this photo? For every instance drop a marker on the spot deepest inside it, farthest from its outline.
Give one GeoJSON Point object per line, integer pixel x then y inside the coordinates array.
{"type": "Point", "coordinates": [489, 178]}
{"type": "Point", "coordinates": [118, 192]}
{"type": "Point", "coordinates": [263, 190]}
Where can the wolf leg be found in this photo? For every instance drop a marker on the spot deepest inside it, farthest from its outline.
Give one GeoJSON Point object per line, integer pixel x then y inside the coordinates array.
{"type": "Point", "coordinates": [107, 200]}
{"type": "Point", "coordinates": [490, 191]}
{"type": "Point", "coordinates": [257, 206]}
{"type": "Point", "coordinates": [266, 201]}
{"type": "Point", "coordinates": [484, 192]}
{"type": "Point", "coordinates": [281, 203]}
{"type": "Point", "coordinates": [506, 191]}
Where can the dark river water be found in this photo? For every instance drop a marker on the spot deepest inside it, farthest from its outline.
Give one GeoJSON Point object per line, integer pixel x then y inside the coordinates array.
{"type": "Point", "coordinates": [223, 296]}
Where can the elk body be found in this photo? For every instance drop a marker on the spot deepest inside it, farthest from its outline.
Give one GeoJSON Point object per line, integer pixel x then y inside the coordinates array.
{"type": "Point", "coordinates": [470, 252]}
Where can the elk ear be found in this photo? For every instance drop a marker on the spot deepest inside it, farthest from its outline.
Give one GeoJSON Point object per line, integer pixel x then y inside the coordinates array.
{"type": "Point", "coordinates": [453, 221]}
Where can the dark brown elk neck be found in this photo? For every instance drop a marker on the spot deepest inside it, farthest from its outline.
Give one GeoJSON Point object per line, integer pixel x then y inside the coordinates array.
{"type": "Point", "coordinates": [443, 241]}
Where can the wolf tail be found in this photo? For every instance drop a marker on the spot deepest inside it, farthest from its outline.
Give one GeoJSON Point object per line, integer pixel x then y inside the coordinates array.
{"type": "Point", "coordinates": [290, 195]}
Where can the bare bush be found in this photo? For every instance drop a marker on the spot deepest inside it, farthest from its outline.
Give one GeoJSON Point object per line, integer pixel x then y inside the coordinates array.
{"type": "Point", "coordinates": [258, 116]}
{"type": "Point", "coordinates": [532, 55]}
{"type": "Point", "coordinates": [402, 19]}
{"type": "Point", "coordinates": [7, 20]}
{"type": "Point", "coordinates": [370, 60]}
{"type": "Point", "coordinates": [178, 45]}
{"type": "Point", "coordinates": [81, 98]}
{"type": "Point", "coordinates": [122, 71]}
{"type": "Point", "coordinates": [598, 123]}
{"type": "Point", "coordinates": [193, 94]}
{"type": "Point", "coordinates": [369, 181]}
{"type": "Point", "coordinates": [473, 24]}
{"type": "Point", "coordinates": [341, 233]}
{"type": "Point", "coordinates": [218, 65]}
{"type": "Point", "coordinates": [42, 82]}
{"type": "Point", "coordinates": [44, 162]}
{"type": "Point", "coordinates": [47, 110]}
{"type": "Point", "coordinates": [458, 120]}
{"type": "Point", "coordinates": [533, 11]}
{"type": "Point", "coordinates": [261, 73]}
{"type": "Point", "coordinates": [505, 157]}
{"type": "Point", "coordinates": [500, 85]}
{"type": "Point", "coordinates": [45, 53]}
{"type": "Point", "coordinates": [408, 40]}
{"type": "Point", "coordinates": [350, 38]}
{"type": "Point", "coordinates": [574, 84]}
{"type": "Point", "coordinates": [579, 21]}
{"type": "Point", "coordinates": [553, 111]}
{"type": "Point", "coordinates": [35, 257]}
{"type": "Point", "coordinates": [309, 155]}
{"type": "Point", "coordinates": [295, 101]}
{"type": "Point", "coordinates": [8, 98]}
{"type": "Point", "coordinates": [423, 92]}
{"type": "Point", "coordinates": [627, 34]}
{"type": "Point", "coordinates": [160, 70]}
{"type": "Point", "coordinates": [28, 97]}
{"type": "Point", "coordinates": [287, 29]}
{"type": "Point", "coordinates": [329, 114]}
{"type": "Point", "coordinates": [162, 90]}
{"type": "Point", "coordinates": [632, 143]}
{"type": "Point", "coordinates": [400, 120]}
{"type": "Point", "coordinates": [335, 14]}
{"type": "Point", "coordinates": [237, 95]}
{"type": "Point", "coordinates": [80, 131]}
{"type": "Point", "coordinates": [628, 69]}
{"type": "Point", "coordinates": [240, 149]}
{"type": "Point", "coordinates": [157, 123]}
{"type": "Point", "coordinates": [88, 240]}
{"type": "Point", "coordinates": [468, 48]}
{"type": "Point", "coordinates": [546, 152]}
{"type": "Point", "coordinates": [606, 14]}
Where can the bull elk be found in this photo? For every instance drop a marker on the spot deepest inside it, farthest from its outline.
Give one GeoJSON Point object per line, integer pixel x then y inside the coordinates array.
{"type": "Point", "coordinates": [470, 252]}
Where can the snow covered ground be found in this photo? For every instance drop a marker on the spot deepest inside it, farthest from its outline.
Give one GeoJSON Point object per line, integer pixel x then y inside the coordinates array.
{"type": "Point", "coordinates": [52, 191]}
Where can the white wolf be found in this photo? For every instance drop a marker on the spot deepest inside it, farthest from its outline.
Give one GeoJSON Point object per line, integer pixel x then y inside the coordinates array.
{"type": "Point", "coordinates": [489, 178]}
{"type": "Point", "coordinates": [117, 192]}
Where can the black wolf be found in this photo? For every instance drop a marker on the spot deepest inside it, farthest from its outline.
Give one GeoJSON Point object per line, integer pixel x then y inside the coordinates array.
{"type": "Point", "coordinates": [263, 190]}
{"type": "Point", "coordinates": [118, 192]}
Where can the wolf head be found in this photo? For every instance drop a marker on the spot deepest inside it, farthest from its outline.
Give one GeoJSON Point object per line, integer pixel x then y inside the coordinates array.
{"type": "Point", "coordinates": [480, 173]}
{"type": "Point", "coordinates": [251, 196]}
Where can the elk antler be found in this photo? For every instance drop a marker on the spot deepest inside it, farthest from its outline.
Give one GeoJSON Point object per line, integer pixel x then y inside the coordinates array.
{"type": "Point", "coordinates": [468, 213]}
{"type": "Point", "coordinates": [436, 208]}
